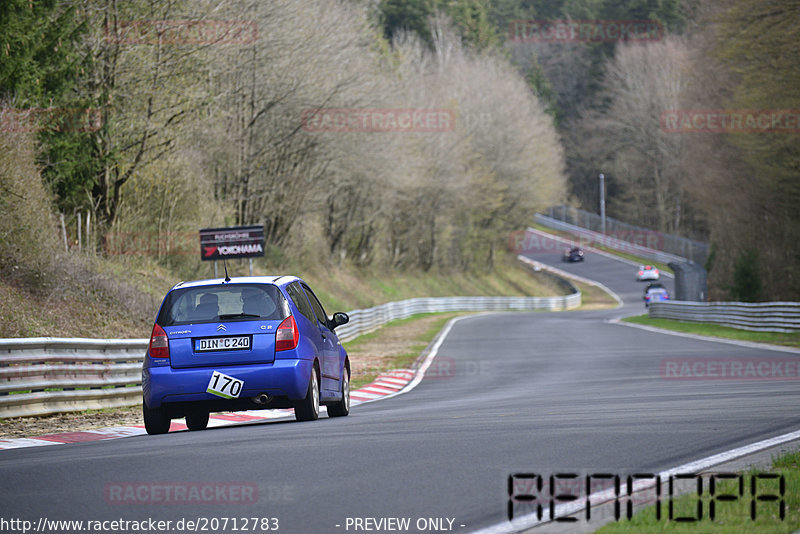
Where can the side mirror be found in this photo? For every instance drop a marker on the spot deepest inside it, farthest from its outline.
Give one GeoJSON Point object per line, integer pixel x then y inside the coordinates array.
{"type": "Point", "coordinates": [339, 318]}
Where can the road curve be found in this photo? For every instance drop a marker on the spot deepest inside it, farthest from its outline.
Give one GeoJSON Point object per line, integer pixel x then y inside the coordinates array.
{"type": "Point", "coordinates": [544, 392]}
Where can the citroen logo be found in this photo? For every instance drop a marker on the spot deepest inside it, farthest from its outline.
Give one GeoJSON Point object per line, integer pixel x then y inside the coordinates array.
{"type": "Point", "coordinates": [221, 327]}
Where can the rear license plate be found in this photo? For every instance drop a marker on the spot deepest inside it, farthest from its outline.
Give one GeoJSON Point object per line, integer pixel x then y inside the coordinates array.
{"type": "Point", "coordinates": [222, 343]}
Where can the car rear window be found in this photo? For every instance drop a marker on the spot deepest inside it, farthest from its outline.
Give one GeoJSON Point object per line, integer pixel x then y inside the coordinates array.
{"type": "Point", "coordinates": [222, 303]}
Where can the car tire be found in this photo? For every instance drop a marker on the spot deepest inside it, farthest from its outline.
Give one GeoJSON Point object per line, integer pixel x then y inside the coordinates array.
{"type": "Point", "coordinates": [342, 407]}
{"type": "Point", "coordinates": [197, 420]}
{"type": "Point", "coordinates": [155, 420]}
{"type": "Point", "coordinates": [308, 408]}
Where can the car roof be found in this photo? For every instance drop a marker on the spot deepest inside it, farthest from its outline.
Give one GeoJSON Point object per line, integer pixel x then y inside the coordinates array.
{"type": "Point", "coordinates": [277, 280]}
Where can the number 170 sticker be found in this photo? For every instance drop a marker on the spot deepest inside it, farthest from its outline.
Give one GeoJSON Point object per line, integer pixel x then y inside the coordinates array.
{"type": "Point", "coordinates": [224, 386]}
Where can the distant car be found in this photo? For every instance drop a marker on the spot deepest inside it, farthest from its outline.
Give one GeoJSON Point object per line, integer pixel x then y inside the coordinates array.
{"type": "Point", "coordinates": [655, 294]}
{"type": "Point", "coordinates": [653, 285]}
{"type": "Point", "coordinates": [573, 254]}
{"type": "Point", "coordinates": [250, 343]}
{"type": "Point", "coordinates": [647, 272]}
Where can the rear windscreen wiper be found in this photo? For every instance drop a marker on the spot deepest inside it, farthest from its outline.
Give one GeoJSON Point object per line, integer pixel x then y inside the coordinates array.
{"type": "Point", "coordinates": [238, 316]}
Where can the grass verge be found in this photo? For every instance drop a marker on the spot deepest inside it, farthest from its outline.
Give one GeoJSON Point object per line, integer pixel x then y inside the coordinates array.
{"type": "Point", "coordinates": [594, 298]}
{"type": "Point", "coordinates": [731, 516]}
{"type": "Point", "coordinates": [395, 345]}
{"type": "Point", "coordinates": [707, 329]}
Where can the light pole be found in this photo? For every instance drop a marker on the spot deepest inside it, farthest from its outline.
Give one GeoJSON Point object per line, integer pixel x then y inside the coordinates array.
{"type": "Point", "coordinates": [602, 203]}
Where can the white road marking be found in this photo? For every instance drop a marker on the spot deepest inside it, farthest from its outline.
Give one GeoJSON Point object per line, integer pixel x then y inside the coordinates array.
{"type": "Point", "coordinates": [420, 372]}
{"type": "Point", "coordinates": [748, 344]}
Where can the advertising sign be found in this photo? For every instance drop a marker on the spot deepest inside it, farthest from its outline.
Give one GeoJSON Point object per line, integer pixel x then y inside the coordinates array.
{"type": "Point", "coordinates": [231, 242]}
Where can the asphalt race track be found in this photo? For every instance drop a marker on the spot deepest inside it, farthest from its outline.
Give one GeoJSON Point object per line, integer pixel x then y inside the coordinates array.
{"type": "Point", "coordinates": [508, 392]}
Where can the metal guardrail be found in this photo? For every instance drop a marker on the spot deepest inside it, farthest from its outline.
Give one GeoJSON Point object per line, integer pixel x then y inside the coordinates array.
{"type": "Point", "coordinates": [41, 376]}
{"type": "Point", "coordinates": [596, 238]}
{"type": "Point", "coordinates": [363, 321]}
{"type": "Point", "coordinates": [684, 247]}
{"type": "Point", "coordinates": [761, 317]}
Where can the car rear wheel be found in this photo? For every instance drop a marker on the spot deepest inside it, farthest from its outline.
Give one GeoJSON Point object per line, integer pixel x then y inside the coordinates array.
{"type": "Point", "coordinates": [342, 407]}
{"type": "Point", "coordinates": [155, 420]}
{"type": "Point", "coordinates": [308, 408]}
{"type": "Point", "coordinates": [197, 421]}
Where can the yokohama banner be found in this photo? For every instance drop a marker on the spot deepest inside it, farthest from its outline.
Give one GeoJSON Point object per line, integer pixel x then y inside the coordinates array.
{"type": "Point", "coordinates": [231, 242]}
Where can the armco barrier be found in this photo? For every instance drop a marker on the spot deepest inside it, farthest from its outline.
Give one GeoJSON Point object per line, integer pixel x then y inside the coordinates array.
{"type": "Point", "coordinates": [763, 317]}
{"type": "Point", "coordinates": [695, 251]}
{"type": "Point", "coordinates": [363, 321]}
{"type": "Point", "coordinates": [596, 238]}
{"type": "Point", "coordinates": [40, 376]}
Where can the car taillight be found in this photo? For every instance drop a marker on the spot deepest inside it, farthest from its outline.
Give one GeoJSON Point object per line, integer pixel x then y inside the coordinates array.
{"type": "Point", "coordinates": [159, 343]}
{"type": "Point", "coordinates": [287, 335]}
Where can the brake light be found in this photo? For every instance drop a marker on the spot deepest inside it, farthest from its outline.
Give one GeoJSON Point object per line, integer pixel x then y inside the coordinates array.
{"type": "Point", "coordinates": [287, 335]}
{"type": "Point", "coordinates": [159, 343]}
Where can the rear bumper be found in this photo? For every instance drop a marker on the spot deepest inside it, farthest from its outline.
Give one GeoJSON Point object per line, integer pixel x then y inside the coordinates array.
{"type": "Point", "coordinates": [281, 378]}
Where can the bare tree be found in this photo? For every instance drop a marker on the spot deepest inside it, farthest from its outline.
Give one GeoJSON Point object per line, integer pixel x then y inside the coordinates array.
{"type": "Point", "coordinates": [642, 82]}
{"type": "Point", "coordinates": [146, 81]}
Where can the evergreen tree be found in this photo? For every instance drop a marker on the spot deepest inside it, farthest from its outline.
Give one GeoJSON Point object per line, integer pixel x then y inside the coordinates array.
{"type": "Point", "coordinates": [40, 80]}
{"type": "Point", "coordinates": [746, 277]}
{"type": "Point", "coordinates": [471, 17]}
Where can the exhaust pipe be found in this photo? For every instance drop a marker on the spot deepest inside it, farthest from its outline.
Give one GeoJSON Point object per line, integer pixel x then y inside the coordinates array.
{"type": "Point", "coordinates": [262, 399]}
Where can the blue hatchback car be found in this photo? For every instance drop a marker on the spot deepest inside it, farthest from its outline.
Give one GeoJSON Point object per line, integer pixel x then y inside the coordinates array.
{"type": "Point", "coordinates": [249, 343]}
